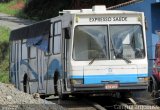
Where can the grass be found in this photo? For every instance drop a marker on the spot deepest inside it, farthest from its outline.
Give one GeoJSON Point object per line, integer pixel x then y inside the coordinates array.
{"type": "Point", "coordinates": [6, 7]}
{"type": "Point", "coordinates": [4, 77]}
{"type": "Point", "coordinates": [4, 34]}
{"type": "Point", "coordinates": [4, 54]}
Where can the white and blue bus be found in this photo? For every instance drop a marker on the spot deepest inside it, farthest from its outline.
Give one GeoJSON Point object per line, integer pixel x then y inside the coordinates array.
{"type": "Point", "coordinates": [81, 51]}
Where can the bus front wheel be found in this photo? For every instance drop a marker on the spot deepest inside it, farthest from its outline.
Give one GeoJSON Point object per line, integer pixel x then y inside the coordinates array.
{"type": "Point", "coordinates": [154, 92]}
{"type": "Point", "coordinates": [59, 90]}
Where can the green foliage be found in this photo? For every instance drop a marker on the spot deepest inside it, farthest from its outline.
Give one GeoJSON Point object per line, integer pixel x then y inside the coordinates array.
{"type": "Point", "coordinates": [4, 77]}
{"type": "Point", "coordinates": [4, 33]}
{"type": "Point", "coordinates": [21, 14]}
{"type": "Point", "coordinates": [4, 54]}
{"type": "Point", "coordinates": [6, 7]}
{"type": "Point", "coordinates": [34, 9]}
{"type": "Point", "coordinates": [44, 9]}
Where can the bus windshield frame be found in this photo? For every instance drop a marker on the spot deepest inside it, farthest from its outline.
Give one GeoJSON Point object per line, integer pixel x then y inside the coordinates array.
{"type": "Point", "coordinates": [108, 42]}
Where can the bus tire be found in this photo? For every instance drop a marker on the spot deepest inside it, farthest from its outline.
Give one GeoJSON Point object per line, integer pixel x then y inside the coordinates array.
{"type": "Point", "coordinates": [150, 85]}
{"type": "Point", "coordinates": [125, 94]}
{"type": "Point", "coordinates": [26, 84]}
{"type": "Point", "coordinates": [42, 96]}
{"type": "Point", "coordinates": [154, 92]}
{"type": "Point", "coordinates": [59, 90]}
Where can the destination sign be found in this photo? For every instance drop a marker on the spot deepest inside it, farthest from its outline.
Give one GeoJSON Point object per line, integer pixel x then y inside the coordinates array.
{"type": "Point", "coordinates": [107, 19]}
{"type": "Point", "coordinates": [93, 19]}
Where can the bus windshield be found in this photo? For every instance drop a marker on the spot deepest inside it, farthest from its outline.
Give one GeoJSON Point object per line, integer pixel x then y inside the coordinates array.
{"type": "Point", "coordinates": [126, 42]}
{"type": "Point", "coordinates": [122, 41]}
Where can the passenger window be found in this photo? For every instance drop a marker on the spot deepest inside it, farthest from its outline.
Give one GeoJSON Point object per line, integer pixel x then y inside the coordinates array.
{"type": "Point", "coordinates": [49, 47]}
{"type": "Point", "coordinates": [12, 52]}
{"type": "Point", "coordinates": [57, 37]}
{"type": "Point", "coordinates": [24, 51]}
{"type": "Point", "coordinates": [32, 52]}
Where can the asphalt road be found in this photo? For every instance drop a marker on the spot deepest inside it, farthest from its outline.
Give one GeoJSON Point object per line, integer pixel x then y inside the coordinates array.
{"type": "Point", "coordinates": [13, 22]}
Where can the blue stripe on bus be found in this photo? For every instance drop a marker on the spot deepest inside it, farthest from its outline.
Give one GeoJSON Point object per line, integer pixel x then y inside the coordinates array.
{"type": "Point", "coordinates": [123, 78]}
{"type": "Point", "coordinates": [53, 66]}
{"type": "Point", "coordinates": [23, 62]}
{"type": "Point", "coordinates": [76, 77]}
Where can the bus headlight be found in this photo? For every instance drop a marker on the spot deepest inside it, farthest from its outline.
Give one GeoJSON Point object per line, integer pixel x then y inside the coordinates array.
{"type": "Point", "coordinates": [143, 79]}
{"type": "Point", "coordinates": [76, 81]}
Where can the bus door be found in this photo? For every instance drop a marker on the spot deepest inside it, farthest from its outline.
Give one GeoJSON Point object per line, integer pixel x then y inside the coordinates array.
{"type": "Point", "coordinates": [64, 56]}
{"type": "Point", "coordinates": [17, 64]}
{"type": "Point", "coordinates": [40, 71]}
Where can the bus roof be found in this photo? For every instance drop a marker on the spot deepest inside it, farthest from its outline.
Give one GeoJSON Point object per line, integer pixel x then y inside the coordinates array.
{"type": "Point", "coordinates": [31, 31]}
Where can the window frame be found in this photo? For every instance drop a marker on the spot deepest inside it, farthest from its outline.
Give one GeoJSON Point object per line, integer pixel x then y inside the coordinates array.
{"type": "Point", "coordinates": [107, 47]}
{"type": "Point", "coordinates": [56, 35]}
{"type": "Point", "coordinates": [142, 39]}
{"type": "Point", "coordinates": [109, 41]}
{"type": "Point", "coordinates": [13, 48]}
{"type": "Point", "coordinates": [29, 52]}
{"type": "Point", "coordinates": [23, 43]}
{"type": "Point", "coordinates": [49, 53]}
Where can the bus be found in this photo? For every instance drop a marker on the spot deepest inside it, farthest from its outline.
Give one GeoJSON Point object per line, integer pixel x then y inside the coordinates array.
{"type": "Point", "coordinates": [87, 51]}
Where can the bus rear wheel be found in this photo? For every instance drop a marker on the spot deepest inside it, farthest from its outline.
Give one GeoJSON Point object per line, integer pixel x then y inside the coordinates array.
{"type": "Point", "coordinates": [59, 90]}
{"type": "Point", "coordinates": [26, 85]}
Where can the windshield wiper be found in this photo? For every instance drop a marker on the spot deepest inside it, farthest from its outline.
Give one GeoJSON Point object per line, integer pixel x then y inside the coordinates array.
{"type": "Point", "coordinates": [93, 59]}
{"type": "Point", "coordinates": [121, 56]}
{"type": "Point", "coordinates": [115, 53]}
{"type": "Point", "coordinates": [126, 59]}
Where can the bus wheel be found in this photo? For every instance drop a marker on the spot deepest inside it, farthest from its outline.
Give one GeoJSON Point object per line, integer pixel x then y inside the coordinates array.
{"type": "Point", "coordinates": [26, 85]}
{"type": "Point", "coordinates": [59, 90]}
{"type": "Point", "coordinates": [155, 93]}
{"type": "Point", "coordinates": [125, 94]}
{"type": "Point", "coordinates": [42, 96]}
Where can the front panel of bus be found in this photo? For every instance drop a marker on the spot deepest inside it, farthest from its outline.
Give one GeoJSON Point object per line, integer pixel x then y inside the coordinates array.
{"type": "Point", "coordinates": [108, 53]}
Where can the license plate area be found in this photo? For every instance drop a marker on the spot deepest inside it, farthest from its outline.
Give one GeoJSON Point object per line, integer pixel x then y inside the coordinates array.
{"type": "Point", "coordinates": [111, 86]}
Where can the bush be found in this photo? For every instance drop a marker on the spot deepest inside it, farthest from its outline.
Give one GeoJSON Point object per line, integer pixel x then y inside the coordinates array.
{"type": "Point", "coordinates": [43, 9]}
{"type": "Point", "coordinates": [4, 77]}
{"type": "Point", "coordinates": [4, 54]}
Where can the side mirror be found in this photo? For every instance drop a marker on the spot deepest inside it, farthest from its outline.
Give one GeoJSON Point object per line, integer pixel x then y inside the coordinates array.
{"type": "Point", "coordinates": [153, 59]}
{"type": "Point", "coordinates": [146, 25]}
{"type": "Point", "coordinates": [67, 34]}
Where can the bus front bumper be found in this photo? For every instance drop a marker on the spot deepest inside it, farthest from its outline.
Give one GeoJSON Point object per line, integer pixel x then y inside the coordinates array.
{"type": "Point", "coordinates": [108, 87]}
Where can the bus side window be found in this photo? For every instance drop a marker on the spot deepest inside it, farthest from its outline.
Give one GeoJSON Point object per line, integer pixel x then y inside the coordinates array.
{"type": "Point", "coordinates": [49, 47]}
{"type": "Point", "coordinates": [24, 51]}
{"type": "Point", "coordinates": [12, 51]}
{"type": "Point", "coordinates": [50, 44]}
{"type": "Point", "coordinates": [32, 52]}
{"type": "Point", "coordinates": [57, 37]}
